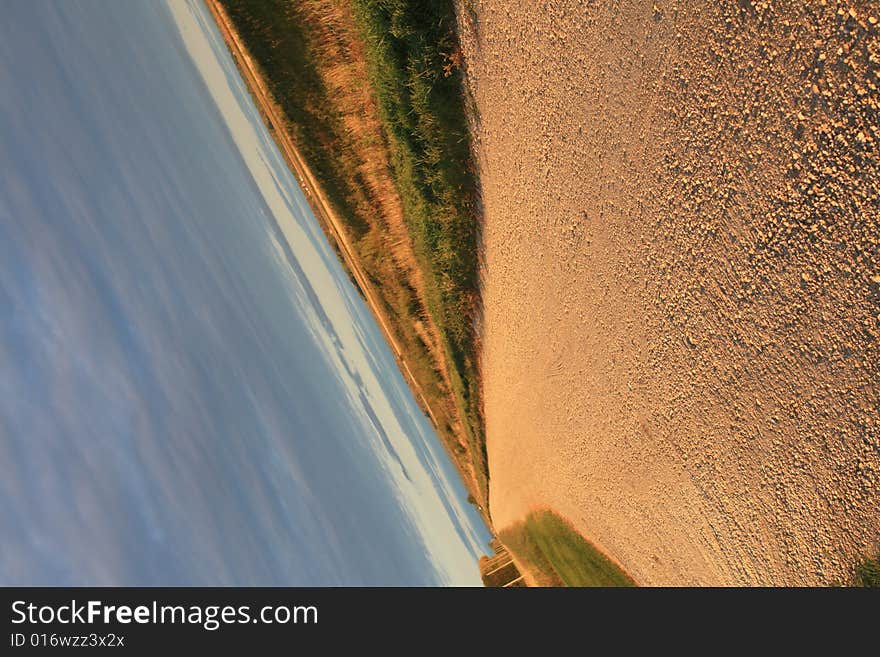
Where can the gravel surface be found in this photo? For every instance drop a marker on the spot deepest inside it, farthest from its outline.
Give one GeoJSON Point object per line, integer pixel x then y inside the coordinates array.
{"type": "Point", "coordinates": [682, 286]}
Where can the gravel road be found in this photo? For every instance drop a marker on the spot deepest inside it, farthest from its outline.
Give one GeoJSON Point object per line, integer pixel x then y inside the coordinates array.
{"type": "Point", "coordinates": [682, 286]}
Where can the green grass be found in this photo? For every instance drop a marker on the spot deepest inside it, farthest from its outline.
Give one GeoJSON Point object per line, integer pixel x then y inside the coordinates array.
{"type": "Point", "coordinates": [558, 555]}
{"type": "Point", "coordinates": [868, 573]}
{"type": "Point", "coordinates": [413, 58]}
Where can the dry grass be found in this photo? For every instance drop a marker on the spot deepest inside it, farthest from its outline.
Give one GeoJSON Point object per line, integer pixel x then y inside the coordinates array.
{"type": "Point", "coordinates": [313, 60]}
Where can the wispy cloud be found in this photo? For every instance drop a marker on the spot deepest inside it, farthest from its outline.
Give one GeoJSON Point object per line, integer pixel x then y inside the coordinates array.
{"type": "Point", "coordinates": [190, 390]}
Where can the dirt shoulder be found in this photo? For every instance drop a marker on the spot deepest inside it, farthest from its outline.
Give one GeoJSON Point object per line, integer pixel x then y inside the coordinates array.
{"type": "Point", "coordinates": [682, 286]}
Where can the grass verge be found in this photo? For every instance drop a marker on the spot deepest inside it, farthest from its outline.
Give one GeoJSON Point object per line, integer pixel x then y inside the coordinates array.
{"type": "Point", "coordinates": [415, 68]}
{"type": "Point", "coordinates": [372, 96]}
{"type": "Point", "coordinates": [557, 555]}
{"type": "Point", "coordinates": [868, 573]}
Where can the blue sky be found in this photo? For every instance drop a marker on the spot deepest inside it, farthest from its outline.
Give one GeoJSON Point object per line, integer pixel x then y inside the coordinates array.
{"type": "Point", "coordinates": [191, 392]}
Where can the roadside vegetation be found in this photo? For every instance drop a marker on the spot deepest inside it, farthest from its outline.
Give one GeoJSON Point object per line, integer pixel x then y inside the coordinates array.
{"type": "Point", "coordinates": [372, 93]}
{"type": "Point", "coordinates": [415, 67]}
{"type": "Point", "coordinates": [555, 554]}
{"type": "Point", "coordinates": [868, 573]}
